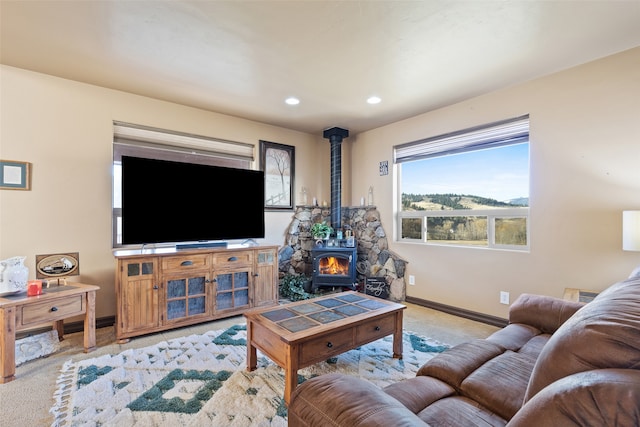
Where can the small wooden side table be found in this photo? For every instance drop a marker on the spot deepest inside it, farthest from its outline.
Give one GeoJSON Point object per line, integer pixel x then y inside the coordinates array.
{"type": "Point", "coordinates": [19, 311]}
{"type": "Point", "coordinates": [579, 295]}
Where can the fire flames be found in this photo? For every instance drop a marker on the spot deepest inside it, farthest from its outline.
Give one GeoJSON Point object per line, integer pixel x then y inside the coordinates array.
{"type": "Point", "coordinates": [333, 265]}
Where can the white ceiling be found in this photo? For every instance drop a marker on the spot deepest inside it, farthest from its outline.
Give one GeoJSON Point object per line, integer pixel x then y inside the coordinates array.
{"type": "Point", "coordinates": [244, 58]}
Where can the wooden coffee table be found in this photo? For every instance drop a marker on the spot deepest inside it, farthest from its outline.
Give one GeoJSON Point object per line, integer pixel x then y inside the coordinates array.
{"type": "Point", "coordinates": [303, 333]}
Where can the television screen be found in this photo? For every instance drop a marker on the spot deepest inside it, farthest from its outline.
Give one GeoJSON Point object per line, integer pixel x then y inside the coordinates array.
{"type": "Point", "coordinates": [167, 202]}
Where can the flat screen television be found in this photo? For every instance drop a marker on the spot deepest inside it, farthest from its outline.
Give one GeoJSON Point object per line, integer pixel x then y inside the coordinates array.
{"type": "Point", "coordinates": [171, 202]}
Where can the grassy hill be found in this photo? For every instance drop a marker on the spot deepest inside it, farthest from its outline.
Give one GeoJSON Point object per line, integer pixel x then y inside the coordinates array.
{"type": "Point", "coordinates": [420, 202]}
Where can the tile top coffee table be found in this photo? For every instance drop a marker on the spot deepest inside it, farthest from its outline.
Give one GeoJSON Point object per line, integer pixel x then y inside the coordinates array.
{"type": "Point", "coordinates": [300, 334]}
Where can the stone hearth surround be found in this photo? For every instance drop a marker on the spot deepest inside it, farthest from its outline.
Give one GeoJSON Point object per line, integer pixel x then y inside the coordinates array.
{"type": "Point", "coordinates": [374, 257]}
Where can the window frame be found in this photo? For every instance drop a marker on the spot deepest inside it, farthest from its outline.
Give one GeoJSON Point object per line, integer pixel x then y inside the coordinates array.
{"type": "Point", "coordinates": [490, 214]}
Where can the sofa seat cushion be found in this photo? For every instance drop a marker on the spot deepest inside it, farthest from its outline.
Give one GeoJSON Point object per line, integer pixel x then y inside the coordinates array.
{"type": "Point", "coordinates": [603, 334]}
{"type": "Point", "coordinates": [419, 392]}
{"type": "Point", "coordinates": [535, 345]}
{"type": "Point", "coordinates": [455, 364]}
{"type": "Point", "coordinates": [514, 336]}
{"type": "Point", "coordinates": [459, 411]}
{"type": "Point", "coordinates": [499, 385]}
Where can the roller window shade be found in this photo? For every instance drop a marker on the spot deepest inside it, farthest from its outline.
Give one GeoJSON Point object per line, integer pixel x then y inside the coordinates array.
{"type": "Point", "coordinates": [128, 134]}
{"type": "Point", "coordinates": [507, 132]}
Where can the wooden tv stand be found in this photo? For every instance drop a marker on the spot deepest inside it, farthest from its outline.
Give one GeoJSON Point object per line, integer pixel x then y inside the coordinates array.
{"type": "Point", "coordinates": [160, 289]}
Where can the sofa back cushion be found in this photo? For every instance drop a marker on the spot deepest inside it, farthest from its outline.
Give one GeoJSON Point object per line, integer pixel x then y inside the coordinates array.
{"type": "Point", "coordinates": [603, 334]}
{"type": "Point", "coordinates": [499, 385]}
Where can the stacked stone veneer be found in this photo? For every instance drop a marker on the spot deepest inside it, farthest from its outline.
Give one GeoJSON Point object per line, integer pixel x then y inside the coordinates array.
{"type": "Point", "coordinates": [374, 257]}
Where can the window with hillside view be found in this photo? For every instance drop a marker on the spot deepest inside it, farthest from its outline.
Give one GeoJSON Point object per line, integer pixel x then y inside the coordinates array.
{"type": "Point", "coordinates": [467, 188]}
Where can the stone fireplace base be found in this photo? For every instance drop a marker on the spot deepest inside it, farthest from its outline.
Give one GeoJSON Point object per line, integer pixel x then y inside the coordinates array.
{"type": "Point", "coordinates": [374, 259]}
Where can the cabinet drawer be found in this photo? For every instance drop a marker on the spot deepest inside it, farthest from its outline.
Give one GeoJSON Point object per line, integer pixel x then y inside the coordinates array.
{"type": "Point", "coordinates": [52, 310]}
{"type": "Point", "coordinates": [375, 329]}
{"type": "Point", "coordinates": [186, 262]}
{"type": "Point", "coordinates": [325, 346]}
{"type": "Point", "coordinates": [229, 259]}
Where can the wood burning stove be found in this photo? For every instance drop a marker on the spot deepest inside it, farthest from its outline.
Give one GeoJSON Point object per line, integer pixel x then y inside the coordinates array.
{"type": "Point", "coordinates": [334, 267]}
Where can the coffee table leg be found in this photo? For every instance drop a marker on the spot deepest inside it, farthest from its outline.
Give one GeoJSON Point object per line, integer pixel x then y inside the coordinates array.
{"type": "Point", "coordinates": [291, 373]}
{"type": "Point", "coordinates": [397, 336]}
{"type": "Point", "coordinates": [252, 357]}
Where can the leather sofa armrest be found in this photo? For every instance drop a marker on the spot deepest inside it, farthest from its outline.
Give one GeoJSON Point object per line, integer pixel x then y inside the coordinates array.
{"type": "Point", "coordinates": [543, 312]}
{"type": "Point", "coordinates": [603, 397]}
{"type": "Point", "coordinates": [341, 400]}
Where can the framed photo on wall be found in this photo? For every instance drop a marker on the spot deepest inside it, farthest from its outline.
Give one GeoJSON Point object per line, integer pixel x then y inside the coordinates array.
{"type": "Point", "coordinates": [278, 163]}
{"type": "Point", "coordinates": [15, 175]}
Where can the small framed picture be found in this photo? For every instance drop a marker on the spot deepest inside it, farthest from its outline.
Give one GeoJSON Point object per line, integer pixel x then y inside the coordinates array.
{"type": "Point", "coordinates": [57, 265]}
{"type": "Point", "coordinates": [15, 175]}
{"type": "Point", "coordinates": [278, 163]}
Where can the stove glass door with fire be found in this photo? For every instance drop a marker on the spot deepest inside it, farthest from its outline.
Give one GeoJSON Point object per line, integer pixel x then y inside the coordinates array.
{"type": "Point", "coordinates": [334, 267]}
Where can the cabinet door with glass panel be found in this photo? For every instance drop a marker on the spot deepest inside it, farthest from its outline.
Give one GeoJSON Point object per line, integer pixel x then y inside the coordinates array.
{"type": "Point", "coordinates": [232, 277]}
{"type": "Point", "coordinates": [187, 288]}
{"type": "Point", "coordinates": [232, 289]}
{"type": "Point", "coordinates": [187, 296]}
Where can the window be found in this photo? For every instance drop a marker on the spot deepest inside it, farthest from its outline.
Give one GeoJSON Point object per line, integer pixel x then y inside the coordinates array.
{"type": "Point", "coordinates": [468, 188]}
{"type": "Point", "coordinates": [151, 143]}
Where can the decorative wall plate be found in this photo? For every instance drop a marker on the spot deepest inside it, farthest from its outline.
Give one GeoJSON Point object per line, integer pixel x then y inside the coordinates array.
{"type": "Point", "coordinates": [57, 265]}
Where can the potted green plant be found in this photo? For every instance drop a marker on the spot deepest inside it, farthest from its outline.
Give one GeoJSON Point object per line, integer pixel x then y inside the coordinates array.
{"type": "Point", "coordinates": [295, 287]}
{"type": "Point", "coordinates": [321, 230]}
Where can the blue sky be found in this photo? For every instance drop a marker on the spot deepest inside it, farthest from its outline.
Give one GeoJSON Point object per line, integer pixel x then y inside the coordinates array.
{"type": "Point", "coordinates": [500, 173]}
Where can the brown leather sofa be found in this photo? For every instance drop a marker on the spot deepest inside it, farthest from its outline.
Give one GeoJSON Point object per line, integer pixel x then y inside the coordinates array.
{"type": "Point", "coordinates": [558, 363]}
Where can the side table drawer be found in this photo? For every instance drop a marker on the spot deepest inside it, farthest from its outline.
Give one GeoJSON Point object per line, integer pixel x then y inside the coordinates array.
{"type": "Point", "coordinates": [375, 329]}
{"type": "Point", "coordinates": [48, 311]}
{"type": "Point", "coordinates": [325, 346]}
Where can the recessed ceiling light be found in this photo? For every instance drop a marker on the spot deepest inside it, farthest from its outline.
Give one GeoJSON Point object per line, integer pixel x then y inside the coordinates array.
{"type": "Point", "coordinates": [373, 100]}
{"type": "Point", "coordinates": [292, 101]}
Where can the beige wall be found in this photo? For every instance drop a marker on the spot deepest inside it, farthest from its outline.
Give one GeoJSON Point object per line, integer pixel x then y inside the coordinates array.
{"type": "Point", "coordinates": [585, 148]}
{"type": "Point", "coordinates": [585, 169]}
{"type": "Point", "coordinates": [64, 129]}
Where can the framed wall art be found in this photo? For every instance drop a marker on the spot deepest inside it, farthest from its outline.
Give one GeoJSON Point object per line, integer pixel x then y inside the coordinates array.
{"type": "Point", "coordinates": [278, 163]}
{"type": "Point", "coordinates": [53, 266]}
{"type": "Point", "coordinates": [15, 175]}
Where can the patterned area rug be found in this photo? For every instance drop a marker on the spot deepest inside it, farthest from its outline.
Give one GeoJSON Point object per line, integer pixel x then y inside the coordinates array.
{"type": "Point", "coordinates": [202, 380]}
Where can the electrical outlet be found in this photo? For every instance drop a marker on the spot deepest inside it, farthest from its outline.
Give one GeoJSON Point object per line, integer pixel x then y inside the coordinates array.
{"type": "Point", "coordinates": [504, 297]}
{"type": "Point", "coordinates": [412, 279]}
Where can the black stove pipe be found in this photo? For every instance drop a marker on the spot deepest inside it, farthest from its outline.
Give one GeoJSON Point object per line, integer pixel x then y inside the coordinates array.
{"type": "Point", "coordinates": [335, 136]}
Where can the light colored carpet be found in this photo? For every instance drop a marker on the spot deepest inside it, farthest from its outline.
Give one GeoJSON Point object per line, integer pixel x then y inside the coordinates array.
{"type": "Point", "coordinates": [27, 400]}
{"type": "Point", "coordinates": [202, 380]}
